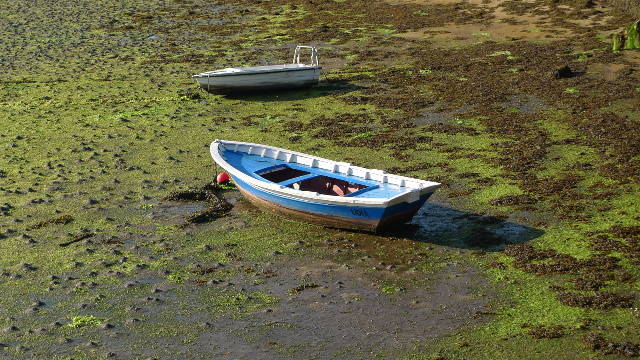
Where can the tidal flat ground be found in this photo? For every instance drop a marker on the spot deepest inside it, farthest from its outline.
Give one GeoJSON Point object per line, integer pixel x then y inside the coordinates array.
{"type": "Point", "coordinates": [115, 245]}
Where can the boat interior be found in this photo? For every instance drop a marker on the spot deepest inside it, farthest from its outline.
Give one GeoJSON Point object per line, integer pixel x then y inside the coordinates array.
{"type": "Point", "coordinates": [306, 181]}
{"type": "Point", "coordinates": [299, 177]}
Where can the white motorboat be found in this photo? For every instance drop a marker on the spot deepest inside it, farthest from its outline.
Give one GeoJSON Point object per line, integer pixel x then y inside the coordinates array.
{"type": "Point", "coordinates": [268, 77]}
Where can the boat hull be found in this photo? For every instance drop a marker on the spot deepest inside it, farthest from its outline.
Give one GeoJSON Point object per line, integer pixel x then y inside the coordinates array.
{"type": "Point", "coordinates": [260, 81]}
{"type": "Point", "coordinates": [354, 217]}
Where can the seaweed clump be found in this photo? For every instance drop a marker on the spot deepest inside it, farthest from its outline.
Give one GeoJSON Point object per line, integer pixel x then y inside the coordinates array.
{"type": "Point", "coordinates": [602, 300]}
{"type": "Point", "coordinates": [62, 220]}
{"type": "Point", "coordinates": [599, 343]}
{"type": "Point", "coordinates": [208, 192]}
{"type": "Point", "coordinates": [545, 332]}
{"type": "Point", "coordinates": [217, 206]}
{"type": "Point", "coordinates": [215, 210]}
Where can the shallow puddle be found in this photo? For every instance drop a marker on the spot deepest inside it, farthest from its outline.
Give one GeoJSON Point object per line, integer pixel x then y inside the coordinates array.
{"type": "Point", "coordinates": [441, 114]}
{"type": "Point", "coordinates": [442, 225]}
{"type": "Point", "coordinates": [526, 104]}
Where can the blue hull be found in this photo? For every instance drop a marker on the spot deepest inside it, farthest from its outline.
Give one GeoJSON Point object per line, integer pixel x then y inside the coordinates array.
{"type": "Point", "coordinates": [341, 216]}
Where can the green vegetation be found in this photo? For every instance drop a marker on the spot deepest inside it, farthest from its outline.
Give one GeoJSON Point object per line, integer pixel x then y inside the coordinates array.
{"type": "Point", "coordinates": [84, 320]}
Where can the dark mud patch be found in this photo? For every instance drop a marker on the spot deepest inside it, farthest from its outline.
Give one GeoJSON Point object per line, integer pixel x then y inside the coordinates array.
{"type": "Point", "coordinates": [344, 314]}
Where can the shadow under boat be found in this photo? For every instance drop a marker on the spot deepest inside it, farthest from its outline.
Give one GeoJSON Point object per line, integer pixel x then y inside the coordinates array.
{"type": "Point", "coordinates": [323, 88]}
{"type": "Point", "coordinates": [440, 225]}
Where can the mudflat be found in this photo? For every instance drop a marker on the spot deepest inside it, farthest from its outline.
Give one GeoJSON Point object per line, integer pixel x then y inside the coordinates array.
{"type": "Point", "coordinates": [114, 243]}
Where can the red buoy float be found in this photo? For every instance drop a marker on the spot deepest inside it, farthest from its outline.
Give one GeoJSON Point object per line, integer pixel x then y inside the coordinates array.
{"type": "Point", "coordinates": [222, 178]}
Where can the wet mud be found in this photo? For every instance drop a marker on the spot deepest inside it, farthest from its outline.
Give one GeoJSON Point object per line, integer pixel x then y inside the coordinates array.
{"type": "Point", "coordinates": [329, 309]}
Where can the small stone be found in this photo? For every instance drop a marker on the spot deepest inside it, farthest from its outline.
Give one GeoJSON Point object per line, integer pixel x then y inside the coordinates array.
{"type": "Point", "coordinates": [563, 72]}
{"type": "Point", "coordinates": [32, 310]}
{"type": "Point", "coordinates": [11, 328]}
{"type": "Point", "coordinates": [28, 267]}
{"type": "Point", "coordinates": [106, 326]}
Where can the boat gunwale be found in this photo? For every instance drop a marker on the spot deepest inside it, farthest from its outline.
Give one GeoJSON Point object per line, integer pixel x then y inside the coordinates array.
{"type": "Point", "coordinates": [214, 73]}
{"type": "Point", "coordinates": [413, 194]}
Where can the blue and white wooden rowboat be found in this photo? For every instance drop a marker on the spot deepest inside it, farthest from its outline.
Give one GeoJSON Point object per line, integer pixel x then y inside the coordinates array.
{"type": "Point", "coordinates": [317, 190]}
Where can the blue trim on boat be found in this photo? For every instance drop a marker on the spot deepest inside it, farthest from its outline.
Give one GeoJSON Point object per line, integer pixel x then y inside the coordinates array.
{"type": "Point", "coordinates": [362, 191]}
{"type": "Point", "coordinates": [342, 211]}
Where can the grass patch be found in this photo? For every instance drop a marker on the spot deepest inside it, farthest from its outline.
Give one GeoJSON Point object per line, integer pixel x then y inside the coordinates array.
{"type": "Point", "coordinates": [84, 320]}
